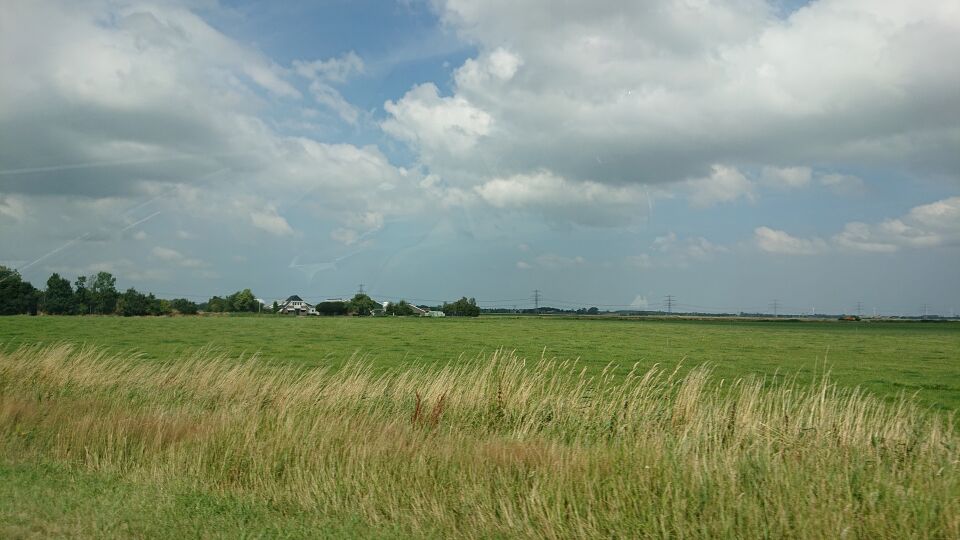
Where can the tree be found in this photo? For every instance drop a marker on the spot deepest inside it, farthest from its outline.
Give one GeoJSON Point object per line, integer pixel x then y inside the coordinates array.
{"type": "Point", "coordinates": [58, 299]}
{"type": "Point", "coordinates": [158, 306]}
{"type": "Point", "coordinates": [462, 308]}
{"type": "Point", "coordinates": [216, 305]}
{"type": "Point", "coordinates": [132, 303]}
{"type": "Point", "coordinates": [243, 301]}
{"type": "Point", "coordinates": [362, 305]}
{"type": "Point", "coordinates": [593, 311]}
{"type": "Point", "coordinates": [401, 308]}
{"type": "Point", "coordinates": [82, 295]}
{"type": "Point", "coordinates": [103, 293]}
{"type": "Point", "coordinates": [16, 296]}
{"type": "Point", "coordinates": [332, 308]}
{"type": "Point", "coordinates": [184, 306]}
{"type": "Point", "coordinates": [275, 307]}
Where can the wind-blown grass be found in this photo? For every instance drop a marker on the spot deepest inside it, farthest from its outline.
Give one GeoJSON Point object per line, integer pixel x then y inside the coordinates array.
{"type": "Point", "coordinates": [502, 446]}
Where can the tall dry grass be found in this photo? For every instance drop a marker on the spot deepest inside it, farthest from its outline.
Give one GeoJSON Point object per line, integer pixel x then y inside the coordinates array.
{"type": "Point", "coordinates": [503, 446]}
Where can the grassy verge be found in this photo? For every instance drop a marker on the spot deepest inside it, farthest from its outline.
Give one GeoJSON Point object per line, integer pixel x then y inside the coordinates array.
{"type": "Point", "coordinates": [50, 500]}
{"type": "Point", "coordinates": [499, 447]}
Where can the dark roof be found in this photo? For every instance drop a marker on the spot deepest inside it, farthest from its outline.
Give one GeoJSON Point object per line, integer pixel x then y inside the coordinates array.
{"type": "Point", "coordinates": [294, 298]}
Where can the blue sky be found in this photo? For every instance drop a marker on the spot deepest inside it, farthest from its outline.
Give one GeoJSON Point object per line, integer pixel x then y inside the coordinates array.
{"type": "Point", "coordinates": [729, 153]}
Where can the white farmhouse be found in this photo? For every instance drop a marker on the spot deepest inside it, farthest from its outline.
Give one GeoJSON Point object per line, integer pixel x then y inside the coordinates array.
{"type": "Point", "coordinates": [296, 306]}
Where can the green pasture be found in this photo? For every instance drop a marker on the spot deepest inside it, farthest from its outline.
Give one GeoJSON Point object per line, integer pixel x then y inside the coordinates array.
{"type": "Point", "coordinates": [883, 358]}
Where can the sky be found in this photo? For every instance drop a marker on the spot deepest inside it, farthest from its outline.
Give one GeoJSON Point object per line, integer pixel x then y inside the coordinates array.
{"type": "Point", "coordinates": [729, 153]}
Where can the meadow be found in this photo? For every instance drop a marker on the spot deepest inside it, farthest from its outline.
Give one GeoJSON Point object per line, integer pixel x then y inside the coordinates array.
{"type": "Point", "coordinates": [884, 358]}
{"type": "Point", "coordinates": [493, 427]}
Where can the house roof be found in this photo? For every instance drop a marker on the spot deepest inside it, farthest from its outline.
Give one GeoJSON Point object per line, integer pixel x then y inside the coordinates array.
{"type": "Point", "coordinates": [294, 298]}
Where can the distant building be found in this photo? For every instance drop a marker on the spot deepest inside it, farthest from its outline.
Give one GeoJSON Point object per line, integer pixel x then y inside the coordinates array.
{"type": "Point", "coordinates": [417, 310]}
{"type": "Point", "coordinates": [296, 306]}
{"type": "Point", "coordinates": [434, 313]}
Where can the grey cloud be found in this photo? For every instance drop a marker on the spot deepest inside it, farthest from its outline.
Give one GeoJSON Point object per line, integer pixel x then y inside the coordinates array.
{"type": "Point", "coordinates": [133, 106]}
{"type": "Point", "coordinates": [156, 96]}
{"type": "Point", "coordinates": [653, 92]}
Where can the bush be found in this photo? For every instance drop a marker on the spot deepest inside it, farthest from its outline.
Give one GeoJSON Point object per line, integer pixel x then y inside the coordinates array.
{"type": "Point", "coordinates": [401, 309]}
{"type": "Point", "coordinates": [362, 304]}
{"type": "Point", "coordinates": [332, 308]}
{"type": "Point", "coordinates": [133, 304]}
{"type": "Point", "coordinates": [462, 308]}
{"type": "Point", "coordinates": [184, 306]}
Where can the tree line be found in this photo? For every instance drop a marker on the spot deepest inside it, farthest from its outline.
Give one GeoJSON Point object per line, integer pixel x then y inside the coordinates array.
{"type": "Point", "coordinates": [98, 295]}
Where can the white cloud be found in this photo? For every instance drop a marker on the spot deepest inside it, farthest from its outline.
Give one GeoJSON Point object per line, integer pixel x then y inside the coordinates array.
{"type": "Point", "coordinates": [175, 257]}
{"type": "Point", "coordinates": [123, 267]}
{"type": "Point", "coordinates": [627, 93]}
{"type": "Point", "coordinates": [329, 97]}
{"type": "Point", "coordinates": [725, 184]}
{"type": "Point", "coordinates": [149, 100]}
{"type": "Point", "coordinates": [268, 220]}
{"type": "Point", "coordinates": [941, 215]}
{"type": "Point", "coordinates": [323, 74]}
{"type": "Point", "coordinates": [670, 251]}
{"type": "Point", "coordinates": [926, 226]}
{"type": "Point", "coordinates": [344, 236]}
{"type": "Point", "coordinates": [491, 69]}
{"type": "Point", "coordinates": [843, 184]}
{"type": "Point", "coordinates": [436, 124]}
{"type": "Point", "coordinates": [13, 207]}
{"type": "Point", "coordinates": [552, 261]}
{"type": "Point", "coordinates": [787, 177]}
{"type": "Point", "coordinates": [337, 70]}
{"type": "Point", "coordinates": [589, 203]}
{"type": "Point", "coordinates": [643, 261]}
{"type": "Point", "coordinates": [775, 241]}
{"type": "Point", "coordinates": [858, 236]}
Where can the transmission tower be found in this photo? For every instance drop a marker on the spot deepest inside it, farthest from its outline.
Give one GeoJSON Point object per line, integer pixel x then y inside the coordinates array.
{"type": "Point", "coordinates": [859, 309]}
{"type": "Point", "coordinates": [669, 303]}
{"type": "Point", "coordinates": [925, 308]}
{"type": "Point", "coordinates": [536, 300]}
{"type": "Point", "coordinates": [361, 289]}
{"type": "Point", "coordinates": [776, 307]}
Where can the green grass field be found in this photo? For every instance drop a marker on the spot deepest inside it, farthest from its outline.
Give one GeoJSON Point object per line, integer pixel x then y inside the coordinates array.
{"type": "Point", "coordinates": [884, 358]}
{"type": "Point", "coordinates": [169, 429]}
